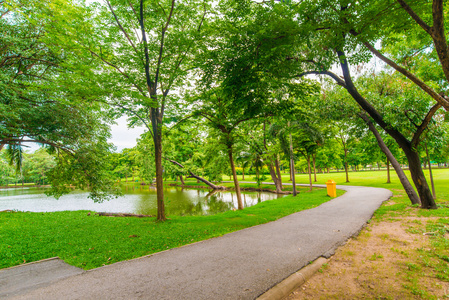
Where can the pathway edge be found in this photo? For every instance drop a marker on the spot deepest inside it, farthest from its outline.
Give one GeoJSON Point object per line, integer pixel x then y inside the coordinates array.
{"type": "Point", "coordinates": [291, 283]}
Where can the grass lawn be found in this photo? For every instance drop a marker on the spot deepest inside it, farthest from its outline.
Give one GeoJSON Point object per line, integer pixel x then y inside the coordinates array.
{"type": "Point", "coordinates": [377, 264]}
{"type": "Point", "coordinates": [89, 241]}
{"type": "Point", "coordinates": [369, 178]}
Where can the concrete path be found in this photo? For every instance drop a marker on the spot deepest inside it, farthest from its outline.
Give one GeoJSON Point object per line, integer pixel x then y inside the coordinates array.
{"type": "Point", "coordinates": [239, 265]}
{"type": "Point", "coordinates": [24, 278]}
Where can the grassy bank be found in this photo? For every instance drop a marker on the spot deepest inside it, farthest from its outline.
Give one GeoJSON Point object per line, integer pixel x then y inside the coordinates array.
{"type": "Point", "coordinates": [89, 241]}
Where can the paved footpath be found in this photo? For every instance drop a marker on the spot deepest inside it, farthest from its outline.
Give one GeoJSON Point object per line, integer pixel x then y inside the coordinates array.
{"type": "Point", "coordinates": [239, 265]}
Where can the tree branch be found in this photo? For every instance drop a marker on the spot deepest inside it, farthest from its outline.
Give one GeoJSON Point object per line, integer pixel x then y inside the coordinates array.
{"type": "Point", "coordinates": [121, 28]}
{"type": "Point", "coordinates": [350, 87]}
{"type": "Point", "coordinates": [443, 102]}
{"type": "Point", "coordinates": [415, 16]}
{"type": "Point", "coordinates": [135, 114]}
{"type": "Point", "coordinates": [340, 81]}
{"type": "Point", "coordinates": [118, 70]}
{"type": "Point", "coordinates": [150, 85]}
{"type": "Point", "coordinates": [161, 49]}
{"type": "Point", "coordinates": [424, 124]}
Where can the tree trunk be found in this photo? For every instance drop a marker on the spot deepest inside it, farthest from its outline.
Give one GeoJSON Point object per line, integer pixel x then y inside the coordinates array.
{"type": "Point", "coordinates": [108, 214]}
{"type": "Point", "coordinates": [201, 179]}
{"type": "Point", "coordinates": [419, 179]}
{"type": "Point", "coordinates": [292, 165]}
{"type": "Point", "coordinates": [309, 171]}
{"type": "Point", "coordinates": [181, 179]}
{"type": "Point", "coordinates": [278, 170]}
{"type": "Point", "coordinates": [159, 182]}
{"type": "Point", "coordinates": [397, 167]}
{"type": "Point", "coordinates": [314, 167]}
{"type": "Point", "coordinates": [275, 179]}
{"type": "Point", "coordinates": [430, 173]}
{"type": "Point", "coordinates": [157, 139]}
{"type": "Point", "coordinates": [236, 181]}
{"type": "Point", "coordinates": [415, 168]}
{"type": "Point", "coordinates": [346, 169]}
{"type": "Point", "coordinates": [388, 171]}
{"type": "Point", "coordinates": [292, 174]}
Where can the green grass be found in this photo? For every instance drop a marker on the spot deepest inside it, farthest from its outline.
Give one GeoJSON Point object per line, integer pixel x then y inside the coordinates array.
{"type": "Point", "coordinates": [367, 178]}
{"type": "Point", "coordinates": [431, 261]}
{"type": "Point", "coordinates": [92, 241]}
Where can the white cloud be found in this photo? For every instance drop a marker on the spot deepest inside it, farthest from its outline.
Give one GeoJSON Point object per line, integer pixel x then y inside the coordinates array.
{"type": "Point", "coordinates": [124, 137]}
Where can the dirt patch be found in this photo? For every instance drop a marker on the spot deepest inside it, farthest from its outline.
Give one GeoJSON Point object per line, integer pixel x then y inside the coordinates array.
{"type": "Point", "coordinates": [383, 262]}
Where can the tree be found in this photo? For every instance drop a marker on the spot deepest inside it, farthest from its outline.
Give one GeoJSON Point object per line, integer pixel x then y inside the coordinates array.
{"type": "Point", "coordinates": [37, 107]}
{"type": "Point", "coordinates": [415, 17]}
{"type": "Point", "coordinates": [240, 70]}
{"type": "Point", "coordinates": [336, 30]}
{"type": "Point", "coordinates": [340, 109]}
{"type": "Point", "coordinates": [306, 139]}
{"type": "Point", "coordinates": [143, 50]}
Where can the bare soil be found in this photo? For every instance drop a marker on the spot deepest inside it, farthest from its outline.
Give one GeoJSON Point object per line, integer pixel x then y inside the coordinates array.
{"type": "Point", "coordinates": [383, 262]}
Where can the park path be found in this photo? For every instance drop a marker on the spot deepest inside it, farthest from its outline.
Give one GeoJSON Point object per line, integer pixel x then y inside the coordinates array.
{"type": "Point", "coordinates": [238, 265]}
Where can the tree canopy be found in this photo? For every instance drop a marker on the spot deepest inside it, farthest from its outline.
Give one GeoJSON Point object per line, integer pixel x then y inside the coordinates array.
{"type": "Point", "coordinates": [228, 77]}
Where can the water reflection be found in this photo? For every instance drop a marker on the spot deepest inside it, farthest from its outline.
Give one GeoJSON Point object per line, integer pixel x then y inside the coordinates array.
{"type": "Point", "coordinates": [136, 199]}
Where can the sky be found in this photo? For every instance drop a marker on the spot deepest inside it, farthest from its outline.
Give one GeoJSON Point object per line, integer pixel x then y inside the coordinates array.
{"type": "Point", "coordinates": [124, 137]}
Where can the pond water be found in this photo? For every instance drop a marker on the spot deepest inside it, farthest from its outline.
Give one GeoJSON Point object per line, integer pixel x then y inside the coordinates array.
{"type": "Point", "coordinates": [138, 199]}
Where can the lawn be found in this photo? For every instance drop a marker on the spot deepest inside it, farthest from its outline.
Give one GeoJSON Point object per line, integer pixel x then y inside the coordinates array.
{"type": "Point", "coordinates": [86, 240]}
{"type": "Point", "coordinates": [371, 178]}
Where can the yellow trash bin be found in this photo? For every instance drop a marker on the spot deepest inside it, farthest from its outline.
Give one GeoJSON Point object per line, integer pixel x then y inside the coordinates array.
{"type": "Point", "coordinates": [331, 188]}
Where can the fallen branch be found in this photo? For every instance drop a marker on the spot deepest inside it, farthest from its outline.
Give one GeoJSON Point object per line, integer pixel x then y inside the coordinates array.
{"type": "Point", "coordinates": [266, 191]}
{"type": "Point", "coordinates": [105, 214]}
{"type": "Point", "coordinates": [190, 186]}
{"type": "Point", "coordinates": [192, 175]}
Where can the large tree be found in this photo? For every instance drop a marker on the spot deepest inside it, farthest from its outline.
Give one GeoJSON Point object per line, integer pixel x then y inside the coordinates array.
{"type": "Point", "coordinates": [339, 32]}
{"type": "Point", "coordinates": [36, 105]}
{"type": "Point", "coordinates": [241, 69]}
{"type": "Point", "coordinates": [143, 50]}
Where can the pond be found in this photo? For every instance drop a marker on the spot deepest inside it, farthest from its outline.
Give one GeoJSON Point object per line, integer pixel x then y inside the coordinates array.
{"type": "Point", "coordinates": [137, 199]}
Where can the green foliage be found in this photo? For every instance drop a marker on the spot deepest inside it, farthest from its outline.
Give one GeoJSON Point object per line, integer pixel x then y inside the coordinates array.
{"type": "Point", "coordinates": [37, 165]}
{"type": "Point", "coordinates": [86, 169]}
{"type": "Point", "coordinates": [43, 102]}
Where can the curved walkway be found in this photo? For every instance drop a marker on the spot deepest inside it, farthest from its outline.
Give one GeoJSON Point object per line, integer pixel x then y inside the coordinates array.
{"type": "Point", "coordinates": [238, 265]}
